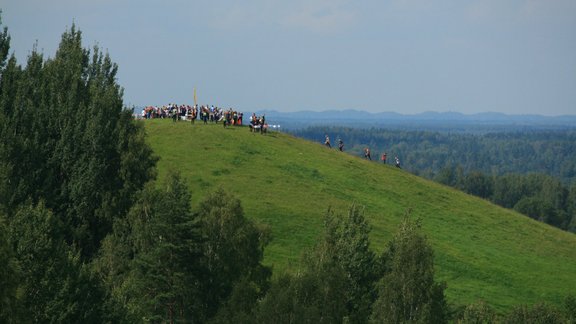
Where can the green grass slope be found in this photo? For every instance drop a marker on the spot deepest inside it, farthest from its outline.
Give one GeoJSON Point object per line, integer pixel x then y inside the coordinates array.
{"type": "Point", "coordinates": [482, 251]}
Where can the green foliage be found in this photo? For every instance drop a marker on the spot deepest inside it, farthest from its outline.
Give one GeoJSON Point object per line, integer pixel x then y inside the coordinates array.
{"type": "Point", "coordinates": [68, 142]}
{"type": "Point", "coordinates": [233, 249]}
{"type": "Point", "coordinates": [240, 306]}
{"type": "Point", "coordinates": [407, 291]}
{"type": "Point", "coordinates": [71, 159]}
{"type": "Point", "coordinates": [165, 271]}
{"type": "Point", "coordinates": [337, 282]}
{"type": "Point", "coordinates": [56, 286]}
{"type": "Point", "coordinates": [4, 44]}
{"type": "Point", "coordinates": [308, 297]}
{"type": "Point", "coordinates": [540, 313]}
{"type": "Point", "coordinates": [346, 245]}
{"type": "Point", "coordinates": [10, 275]}
{"type": "Point", "coordinates": [165, 263]}
{"type": "Point", "coordinates": [478, 313]}
{"type": "Point", "coordinates": [571, 209]}
{"type": "Point", "coordinates": [478, 184]}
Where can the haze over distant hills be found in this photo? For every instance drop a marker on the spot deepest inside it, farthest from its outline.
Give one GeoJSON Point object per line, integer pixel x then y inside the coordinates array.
{"type": "Point", "coordinates": [453, 121]}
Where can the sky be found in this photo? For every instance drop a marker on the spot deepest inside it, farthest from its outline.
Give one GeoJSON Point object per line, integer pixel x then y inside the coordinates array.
{"type": "Point", "coordinates": [405, 56]}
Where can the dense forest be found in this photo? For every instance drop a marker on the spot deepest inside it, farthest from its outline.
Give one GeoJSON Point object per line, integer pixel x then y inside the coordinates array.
{"type": "Point", "coordinates": [532, 172]}
{"type": "Point", "coordinates": [88, 235]}
{"type": "Point", "coordinates": [537, 196]}
{"type": "Point", "coordinates": [551, 152]}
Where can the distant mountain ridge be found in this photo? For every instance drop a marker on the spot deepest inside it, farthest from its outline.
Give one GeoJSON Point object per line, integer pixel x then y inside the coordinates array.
{"type": "Point", "coordinates": [429, 120]}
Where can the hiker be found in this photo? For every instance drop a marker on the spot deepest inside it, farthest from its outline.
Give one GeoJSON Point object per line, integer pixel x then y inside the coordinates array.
{"type": "Point", "coordinates": [367, 154]}
{"type": "Point", "coordinates": [383, 158]}
{"type": "Point", "coordinates": [340, 145]}
{"type": "Point", "coordinates": [397, 162]}
{"type": "Point", "coordinates": [327, 141]}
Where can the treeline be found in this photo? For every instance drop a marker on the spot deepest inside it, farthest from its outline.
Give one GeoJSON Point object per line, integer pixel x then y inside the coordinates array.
{"type": "Point", "coordinates": [538, 196]}
{"type": "Point", "coordinates": [427, 153]}
{"type": "Point", "coordinates": [88, 236]}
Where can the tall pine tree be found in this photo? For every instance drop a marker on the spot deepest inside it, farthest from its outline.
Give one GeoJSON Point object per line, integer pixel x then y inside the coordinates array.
{"type": "Point", "coordinates": [68, 141]}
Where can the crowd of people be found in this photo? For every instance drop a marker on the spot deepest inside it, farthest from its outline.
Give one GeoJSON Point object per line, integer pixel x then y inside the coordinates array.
{"type": "Point", "coordinates": [186, 112]}
{"type": "Point", "coordinates": [206, 114]}
{"type": "Point", "coordinates": [367, 154]}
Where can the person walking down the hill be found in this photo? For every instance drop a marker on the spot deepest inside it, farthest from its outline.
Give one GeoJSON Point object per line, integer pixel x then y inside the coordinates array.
{"type": "Point", "coordinates": [367, 154]}
{"type": "Point", "coordinates": [327, 142]}
{"type": "Point", "coordinates": [340, 145]}
{"type": "Point", "coordinates": [383, 158]}
{"type": "Point", "coordinates": [397, 162]}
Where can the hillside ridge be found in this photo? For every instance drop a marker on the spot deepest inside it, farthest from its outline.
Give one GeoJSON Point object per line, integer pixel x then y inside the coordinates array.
{"type": "Point", "coordinates": [482, 251]}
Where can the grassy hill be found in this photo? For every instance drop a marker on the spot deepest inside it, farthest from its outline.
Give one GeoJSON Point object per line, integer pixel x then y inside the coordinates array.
{"type": "Point", "coordinates": [482, 251]}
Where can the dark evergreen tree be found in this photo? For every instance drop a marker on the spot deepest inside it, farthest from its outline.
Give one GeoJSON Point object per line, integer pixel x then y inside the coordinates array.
{"type": "Point", "coordinates": [10, 276]}
{"type": "Point", "coordinates": [165, 272]}
{"type": "Point", "coordinates": [56, 286]}
{"type": "Point", "coordinates": [67, 140]}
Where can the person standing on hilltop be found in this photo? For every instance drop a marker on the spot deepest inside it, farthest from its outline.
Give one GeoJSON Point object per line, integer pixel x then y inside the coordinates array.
{"type": "Point", "coordinates": [383, 158]}
{"type": "Point", "coordinates": [327, 141]}
{"type": "Point", "coordinates": [367, 154]}
{"type": "Point", "coordinates": [340, 145]}
{"type": "Point", "coordinates": [397, 162]}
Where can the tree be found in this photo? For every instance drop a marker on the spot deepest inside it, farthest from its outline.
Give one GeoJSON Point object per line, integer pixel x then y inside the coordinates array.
{"type": "Point", "coordinates": [10, 276]}
{"type": "Point", "coordinates": [346, 245]}
{"type": "Point", "coordinates": [233, 249]}
{"type": "Point", "coordinates": [571, 209]}
{"type": "Point", "coordinates": [478, 313]}
{"type": "Point", "coordinates": [4, 44]}
{"type": "Point", "coordinates": [67, 141]}
{"type": "Point", "coordinates": [165, 272]}
{"type": "Point", "coordinates": [240, 305]}
{"type": "Point", "coordinates": [476, 183]}
{"type": "Point", "coordinates": [407, 291]}
{"type": "Point", "coordinates": [307, 297]}
{"type": "Point", "coordinates": [537, 313]}
{"type": "Point", "coordinates": [56, 286]}
{"type": "Point", "coordinates": [337, 281]}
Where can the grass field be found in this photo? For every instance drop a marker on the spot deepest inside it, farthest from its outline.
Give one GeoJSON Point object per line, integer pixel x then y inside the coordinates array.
{"type": "Point", "coordinates": [482, 251]}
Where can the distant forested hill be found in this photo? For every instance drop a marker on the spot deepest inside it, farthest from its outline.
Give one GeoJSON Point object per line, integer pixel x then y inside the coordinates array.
{"type": "Point", "coordinates": [453, 122]}
{"type": "Point", "coordinates": [551, 152]}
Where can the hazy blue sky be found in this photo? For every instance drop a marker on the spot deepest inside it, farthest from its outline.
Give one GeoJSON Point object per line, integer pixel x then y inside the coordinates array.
{"type": "Point", "coordinates": [407, 56]}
